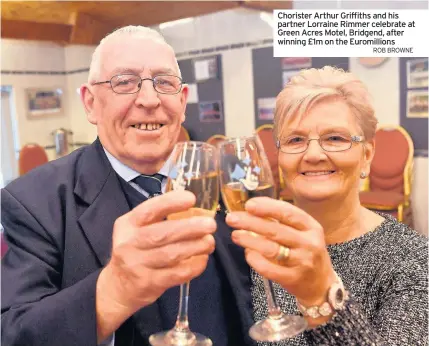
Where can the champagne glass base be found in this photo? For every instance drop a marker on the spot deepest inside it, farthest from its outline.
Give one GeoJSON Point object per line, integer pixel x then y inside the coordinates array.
{"type": "Point", "coordinates": [276, 329]}
{"type": "Point", "coordinates": [179, 338]}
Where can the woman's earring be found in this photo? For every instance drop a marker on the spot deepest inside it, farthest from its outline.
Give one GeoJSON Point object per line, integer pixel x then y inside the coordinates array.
{"type": "Point", "coordinates": [363, 175]}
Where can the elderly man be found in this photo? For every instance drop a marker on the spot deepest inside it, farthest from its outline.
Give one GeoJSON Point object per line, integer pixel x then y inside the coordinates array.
{"type": "Point", "coordinates": [88, 262]}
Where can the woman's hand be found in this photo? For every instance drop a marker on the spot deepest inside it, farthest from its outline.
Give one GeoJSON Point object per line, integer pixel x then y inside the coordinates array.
{"type": "Point", "coordinates": [269, 224]}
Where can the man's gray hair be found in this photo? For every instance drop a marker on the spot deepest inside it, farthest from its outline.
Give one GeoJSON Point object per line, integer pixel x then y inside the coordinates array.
{"type": "Point", "coordinates": [132, 30]}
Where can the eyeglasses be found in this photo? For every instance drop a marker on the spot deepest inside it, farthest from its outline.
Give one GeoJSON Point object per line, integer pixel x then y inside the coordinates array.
{"type": "Point", "coordinates": [331, 142]}
{"type": "Point", "coordinates": [131, 84]}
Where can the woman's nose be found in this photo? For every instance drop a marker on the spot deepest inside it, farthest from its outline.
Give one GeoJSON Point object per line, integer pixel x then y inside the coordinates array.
{"type": "Point", "coordinates": [314, 151]}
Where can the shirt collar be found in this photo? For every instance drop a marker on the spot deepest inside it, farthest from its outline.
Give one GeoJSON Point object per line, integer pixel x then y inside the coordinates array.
{"type": "Point", "coordinates": [128, 173]}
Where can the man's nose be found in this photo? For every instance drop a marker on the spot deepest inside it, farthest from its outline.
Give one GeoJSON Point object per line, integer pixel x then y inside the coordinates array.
{"type": "Point", "coordinates": [147, 95]}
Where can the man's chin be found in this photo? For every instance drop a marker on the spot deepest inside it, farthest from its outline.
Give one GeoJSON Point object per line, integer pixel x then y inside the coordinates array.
{"type": "Point", "coordinates": [151, 153]}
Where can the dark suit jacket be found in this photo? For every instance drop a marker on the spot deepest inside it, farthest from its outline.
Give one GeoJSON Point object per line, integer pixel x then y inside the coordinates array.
{"type": "Point", "coordinates": [58, 222]}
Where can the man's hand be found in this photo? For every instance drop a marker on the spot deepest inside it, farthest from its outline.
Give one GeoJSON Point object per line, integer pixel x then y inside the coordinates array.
{"type": "Point", "coordinates": [150, 255]}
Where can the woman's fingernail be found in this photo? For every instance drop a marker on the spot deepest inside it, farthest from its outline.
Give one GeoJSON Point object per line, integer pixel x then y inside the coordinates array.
{"type": "Point", "coordinates": [250, 204]}
{"type": "Point", "coordinates": [232, 218]}
{"type": "Point", "coordinates": [236, 235]}
{"type": "Point", "coordinates": [240, 232]}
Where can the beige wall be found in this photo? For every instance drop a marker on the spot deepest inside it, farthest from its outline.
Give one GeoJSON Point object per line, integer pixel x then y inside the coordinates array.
{"type": "Point", "coordinates": [204, 32]}
{"type": "Point", "coordinates": [34, 56]}
{"type": "Point", "coordinates": [78, 57]}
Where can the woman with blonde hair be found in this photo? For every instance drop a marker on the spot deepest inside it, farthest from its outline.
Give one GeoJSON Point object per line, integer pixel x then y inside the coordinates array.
{"type": "Point", "coordinates": [359, 277]}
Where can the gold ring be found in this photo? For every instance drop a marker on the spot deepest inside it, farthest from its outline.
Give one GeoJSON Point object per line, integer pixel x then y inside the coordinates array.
{"type": "Point", "coordinates": [282, 254]}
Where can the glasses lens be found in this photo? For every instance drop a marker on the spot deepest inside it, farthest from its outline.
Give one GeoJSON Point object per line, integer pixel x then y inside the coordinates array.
{"type": "Point", "coordinates": [336, 141]}
{"type": "Point", "coordinates": [167, 84]}
{"type": "Point", "coordinates": [125, 84]}
{"type": "Point", "coordinates": [294, 144]}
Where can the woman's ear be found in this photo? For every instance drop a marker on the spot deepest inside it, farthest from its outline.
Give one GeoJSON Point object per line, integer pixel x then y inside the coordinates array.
{"type": "Point", "coordinates": [369, 151]}
{"type": "Point", "coordinates": [87, 98]}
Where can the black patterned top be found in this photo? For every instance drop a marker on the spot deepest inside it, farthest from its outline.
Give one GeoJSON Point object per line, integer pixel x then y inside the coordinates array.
{"type": "Point", "coordinates": [386, 274]}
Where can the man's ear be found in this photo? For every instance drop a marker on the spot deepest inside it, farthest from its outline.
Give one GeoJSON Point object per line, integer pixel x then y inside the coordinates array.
{"type": "Point", "coordinates": [184, 99]}
{"type": "Point", "coordinates": [87, 98]}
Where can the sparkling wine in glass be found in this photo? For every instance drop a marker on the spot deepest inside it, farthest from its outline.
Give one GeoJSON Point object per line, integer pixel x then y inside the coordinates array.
{"type": "Point", "coordinates": [194, 167]}
{"type": "Point", "coordinates": [245, 173]}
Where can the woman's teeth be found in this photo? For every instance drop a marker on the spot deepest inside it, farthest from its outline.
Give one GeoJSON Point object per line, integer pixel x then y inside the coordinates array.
{"type": "Point", "coordinates": [318, 173]}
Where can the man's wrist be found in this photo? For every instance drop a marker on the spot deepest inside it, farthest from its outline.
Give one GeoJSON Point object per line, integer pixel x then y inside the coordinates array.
{"type": "Point", "coordinates": [110, 311]}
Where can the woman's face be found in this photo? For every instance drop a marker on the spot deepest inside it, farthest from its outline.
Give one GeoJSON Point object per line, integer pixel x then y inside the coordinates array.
{"type": "Point", "coordinates": [316, 174]}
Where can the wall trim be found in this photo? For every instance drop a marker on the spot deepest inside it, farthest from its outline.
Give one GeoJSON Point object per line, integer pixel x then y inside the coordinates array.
{"type": "Point", "coordinates": [49, 73]}
{"type": "Point", "coordinates": [211, 50]}
{"type": "Point", "coordinates": [179, 56]}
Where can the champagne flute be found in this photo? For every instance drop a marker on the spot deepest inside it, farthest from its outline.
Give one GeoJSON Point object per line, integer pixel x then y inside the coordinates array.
{"type": "Point", "coordinates": [194, 167]}
{"type": "Point", "coordinates": [245, 173]}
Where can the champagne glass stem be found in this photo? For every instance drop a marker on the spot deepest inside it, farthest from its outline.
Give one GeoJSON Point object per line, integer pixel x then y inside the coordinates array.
{"type": "Point", "coordinates": [182, 324]}
{"type": "Point", "coordinates": [274, 311]}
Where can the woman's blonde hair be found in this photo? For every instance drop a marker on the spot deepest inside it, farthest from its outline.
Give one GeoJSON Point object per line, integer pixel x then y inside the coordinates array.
{"type": "Point", "coordinates": [311, 86]}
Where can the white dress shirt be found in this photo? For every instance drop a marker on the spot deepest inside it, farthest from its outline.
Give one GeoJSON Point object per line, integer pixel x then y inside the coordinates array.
{"type": "Point", "coordinates": [129, 174]}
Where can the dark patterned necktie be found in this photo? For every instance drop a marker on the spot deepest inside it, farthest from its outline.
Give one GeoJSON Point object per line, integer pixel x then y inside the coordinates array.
{"type": "Point", "coordinates": [150, 183]}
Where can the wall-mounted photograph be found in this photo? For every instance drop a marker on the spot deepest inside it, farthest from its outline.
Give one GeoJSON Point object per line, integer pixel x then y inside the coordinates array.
{"type": "Point", "coordinates": [417, 104]}
{"type": "Point", "coordinates": [206, 68]}
{"type": "Point", "coordinates": [44, 101]}
{"type": "Point", "coordinates": [417, 73]}
{"type": "Point", "coordinates": [266, 107]}
{"type": "Point", "coordinates": [295, 63]}
{"type": "Point", "coordinates": [210, 112]}
{"type": "Point", "coordinates": [287, 75]}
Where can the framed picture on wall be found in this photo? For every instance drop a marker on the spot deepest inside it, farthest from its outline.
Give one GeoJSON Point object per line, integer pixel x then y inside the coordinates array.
{"type": "Point", "coordinates": [42, 102]}
{"type": "Point", "coordinates": [417, 73]}
{"type": "Point", "coordinates": [295, 63]}
{"type": "Point", "coordinates": [192, 93]}
{"type": "Point", "coordinates": [417, 104]}
{"type": "Point", "coordinates": [287, 75]}
{"type": "Point", "coordinates": [210, 112]}
{"type": "Point", "coordinates": [206, 68]}
{"type": "Point", "coordinates": [266, 107]}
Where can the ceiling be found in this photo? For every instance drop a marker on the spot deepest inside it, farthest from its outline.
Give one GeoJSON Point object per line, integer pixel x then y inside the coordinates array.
{"type": "Point", "coordinates": [86, 22]}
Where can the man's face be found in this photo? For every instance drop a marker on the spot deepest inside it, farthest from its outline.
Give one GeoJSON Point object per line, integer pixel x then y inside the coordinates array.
{"type": "Point", "coordinates": [139, 129]}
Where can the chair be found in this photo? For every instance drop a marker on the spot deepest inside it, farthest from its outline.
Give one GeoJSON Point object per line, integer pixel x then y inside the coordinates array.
{"type": "Point", "coordinates": [265, 133]}
{"type": "Point", "coordinates": [3, 245]}
{"type": "Point", "coordinates": [388, 186]}
{"type": "Point", "coordinates": [216, 139]}
{"type": "Point", "coordinates": [184, 135]}
{"type": "Point", "coordinates": [31, 156]}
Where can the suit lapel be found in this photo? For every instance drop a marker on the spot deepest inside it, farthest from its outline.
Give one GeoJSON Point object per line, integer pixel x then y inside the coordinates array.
{"type": "Point", "coordinates": [98, 185]}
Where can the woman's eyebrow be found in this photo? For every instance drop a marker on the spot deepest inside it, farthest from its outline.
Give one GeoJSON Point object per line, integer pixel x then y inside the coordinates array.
{"type": "Point", "coordinates": [333, 129]}
{"type": "Point", "coordinates": [320, 130]}
{"type": "Point", "coordinates": [295, 132]}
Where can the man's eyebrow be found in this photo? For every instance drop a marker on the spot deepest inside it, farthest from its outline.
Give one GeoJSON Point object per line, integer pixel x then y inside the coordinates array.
{"type": "Point", "coordinates": [155, 71]}
{"type": "Point", "coordinates": [163, 70]}
{"type": "Point", "coordinates": [124, 70]}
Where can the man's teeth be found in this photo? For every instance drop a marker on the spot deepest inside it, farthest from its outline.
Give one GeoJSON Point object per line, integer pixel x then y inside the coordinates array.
{"type": "Point", "coordinates": [147, 127]}
{"type": "Point", "coordinates": [318, 173]}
